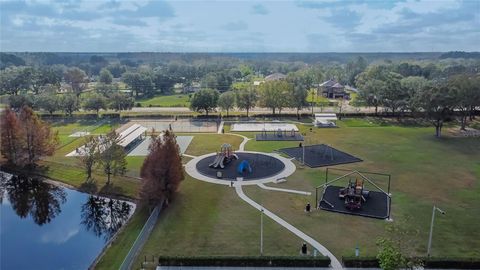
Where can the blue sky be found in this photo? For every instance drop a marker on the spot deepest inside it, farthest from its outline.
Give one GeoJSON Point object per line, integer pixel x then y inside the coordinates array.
{"type": "Point", "coordinates": [239, 26]}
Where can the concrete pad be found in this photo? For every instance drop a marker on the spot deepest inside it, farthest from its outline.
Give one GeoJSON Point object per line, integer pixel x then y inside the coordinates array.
{"type": "Point", "coordinates": [142, 149]}
{"type": "Point", "coordinates": [245, 127]}
{"type": "Point", "coordinates": [181, 125]}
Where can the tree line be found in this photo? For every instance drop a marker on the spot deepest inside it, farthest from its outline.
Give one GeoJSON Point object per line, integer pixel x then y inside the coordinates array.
{"type": "Point", "coordinates": [438, 99]}
{"type": "Point", "coordinates": [275, 95]}
{"type": "Point", "coordinates": [396, 87]}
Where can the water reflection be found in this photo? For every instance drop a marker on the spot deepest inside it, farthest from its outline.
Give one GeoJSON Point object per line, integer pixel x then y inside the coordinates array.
{"type": "Point", "coordinates": [32, 196]}
{"type": "Point", "coordinates": [42, 201]}
{"type": "Point", "coordinates": [104, 216]}
{"type": "Point", "coordinates": [58, 228]}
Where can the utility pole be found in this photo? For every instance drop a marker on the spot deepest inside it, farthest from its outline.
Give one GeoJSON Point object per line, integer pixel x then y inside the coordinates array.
{"type": "Point", "coordinates": [429, 247]}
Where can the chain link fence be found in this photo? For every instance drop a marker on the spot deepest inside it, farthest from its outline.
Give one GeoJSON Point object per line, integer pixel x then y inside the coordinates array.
{"type": "Point", "coordinates": [141, 238]}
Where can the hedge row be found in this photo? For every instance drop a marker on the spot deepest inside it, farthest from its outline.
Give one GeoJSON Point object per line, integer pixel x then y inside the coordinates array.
{"type": "Point", "coordinates": [453, 263]}
{"type": "Point", "coordinates": [80, 116]}
{"type": "Point", "coordinates": [360, 262]}
{"type": "Point", "coordinates": [438, 263]}
{"type": "Point", "coordinates": [247, 261]}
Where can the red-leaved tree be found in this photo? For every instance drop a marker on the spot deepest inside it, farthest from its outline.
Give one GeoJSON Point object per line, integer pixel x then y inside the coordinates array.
{"type": "Point", "coordinates": [11, 136]}
{"type": "Point", "coordinates": [26, 138]}
{"type": "Point", "coordinates": [39, 139]}
{"type": "Point", "coordinates": [161, 171]}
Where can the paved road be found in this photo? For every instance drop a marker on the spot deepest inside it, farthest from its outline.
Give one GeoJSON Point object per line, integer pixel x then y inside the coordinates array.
{"type": "Point", "coordinates": [346, 108]}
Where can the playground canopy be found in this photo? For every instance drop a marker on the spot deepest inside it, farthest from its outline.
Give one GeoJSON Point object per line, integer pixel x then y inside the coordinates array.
{"type": "Point", "coordinates": [325, 120]}
{"type": "Point", "coordinates": [378, 204]}
{"type": "Point", "coordinates": [130, 135]}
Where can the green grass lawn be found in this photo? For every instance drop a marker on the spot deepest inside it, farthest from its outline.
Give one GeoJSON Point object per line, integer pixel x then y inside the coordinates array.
{"type": "Point", "coordinates": [177, 100]}
{"type": "Point", "coordinates": [68, 127]}
{"type": "Point", "coordinates": [210, 143]}
{"type": "Point", "coordinates": [114, 256]}
{"type": "Point", "coordinates": [207, 219]}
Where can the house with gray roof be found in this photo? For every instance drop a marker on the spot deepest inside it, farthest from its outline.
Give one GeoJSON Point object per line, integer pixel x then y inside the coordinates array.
{"type": "Point", "coordinates": [333, 89]}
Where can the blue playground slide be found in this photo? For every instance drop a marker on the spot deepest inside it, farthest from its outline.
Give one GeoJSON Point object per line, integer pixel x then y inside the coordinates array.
{"type": "Point", "coordinates": [244, 166]}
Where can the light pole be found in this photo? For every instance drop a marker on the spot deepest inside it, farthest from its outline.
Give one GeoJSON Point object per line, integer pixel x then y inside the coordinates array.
{"type": "Point", "coordinates": [313, 100]}
{"type": "Point", "coordinates": [431, 228]}
{"type": "Point", "coordinates": [261, 232]}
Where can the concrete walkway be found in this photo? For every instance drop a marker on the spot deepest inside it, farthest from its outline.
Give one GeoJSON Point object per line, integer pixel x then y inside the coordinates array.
{"type": "Point", "coordinates": [335, 263]}
{"type": "Point", "coordinates": [261, 185]}
{"type": "Point", "coordinates": [190, 156]}
{"type": "Point", "coordinates": [220, 128]}
{"type": "Point", "coordinates": [241, 147]}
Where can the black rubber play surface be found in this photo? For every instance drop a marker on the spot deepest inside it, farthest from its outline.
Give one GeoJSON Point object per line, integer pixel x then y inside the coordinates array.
{"type": "Point", "coordinates": [376, 205]}
{"type": "Point", "coordinates": [320, 155]}
{"type": "Point", "coordinates": [273, 137]}
{"type": "Point", "coordinates": [262, 166]}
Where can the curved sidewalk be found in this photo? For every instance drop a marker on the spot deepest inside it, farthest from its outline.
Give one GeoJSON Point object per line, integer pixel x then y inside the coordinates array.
{"type": "Point", "coordinates": [261, 185]}
{"type": "Point", "coordinates": [335, 263]}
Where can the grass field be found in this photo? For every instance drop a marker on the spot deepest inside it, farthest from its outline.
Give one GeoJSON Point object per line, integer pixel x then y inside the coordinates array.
{"type": "Point", "coordinates": [66, 128]}
{"type": "Point", "coordinates": [113, 258]}
{"type": "Point", "coordinates": [177, 100]}
{"type": "Point", "coordinates": [207, 219]}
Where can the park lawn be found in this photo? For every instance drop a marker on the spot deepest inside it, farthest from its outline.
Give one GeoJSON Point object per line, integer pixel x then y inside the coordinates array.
{"type": "Point", "coordinates": [204, 143]}
{"type": "Point", "coordinates": [205, 218]}
{"type": "Point", "coordinates": [113, 257]}
{"type": "Point", "coordinates": [176, 100]}
{"type": "Point", "coordinates": [359, 122]}
{"type": "Point", "coordinates": [121, 186]}
{"type": "Point", "coordinates": [68, 127]}
{"type": "Point", "coordinates": [425, 171]}
{"type": "Point", "coordinates": [134, 164]}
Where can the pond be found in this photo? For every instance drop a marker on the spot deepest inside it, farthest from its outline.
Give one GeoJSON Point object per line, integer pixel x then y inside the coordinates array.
{"type": "Point", "coordinates": [44, 226]}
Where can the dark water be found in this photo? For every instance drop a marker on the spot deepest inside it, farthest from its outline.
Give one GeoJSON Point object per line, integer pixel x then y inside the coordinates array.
{"type": "Point", "coordinates": [48, 227]}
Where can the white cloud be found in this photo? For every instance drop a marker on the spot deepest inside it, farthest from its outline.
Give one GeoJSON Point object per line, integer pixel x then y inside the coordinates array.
{"type": "Point", "coordinates": [59, 236]}
{"type": "Point", "coordinates": [269, 26]}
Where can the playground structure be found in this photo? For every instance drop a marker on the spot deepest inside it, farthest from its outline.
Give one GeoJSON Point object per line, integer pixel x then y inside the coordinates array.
{"type": "Point", "coordinates": [354, 194]}
{"type": "Point", "coordinates": [250, 166]}
{"type": "Point", "coordinates": [355, 199]}
{"type": "Point", "coordinates": [224, 157]}
{"type": "Point", "coordinates": [319, 155]}
{"type": "Point", "coordinates": [279, 135]}
{"type": "Point", "coordinates": [244, 167]}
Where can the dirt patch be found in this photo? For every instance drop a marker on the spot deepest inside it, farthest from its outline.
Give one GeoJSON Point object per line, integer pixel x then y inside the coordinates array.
{"type": "Point", "coordinates": [458, 133]}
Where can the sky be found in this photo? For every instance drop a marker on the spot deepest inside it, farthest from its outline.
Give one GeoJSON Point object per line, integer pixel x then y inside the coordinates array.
{"type": "Point", "coordinates": [239, 26]}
